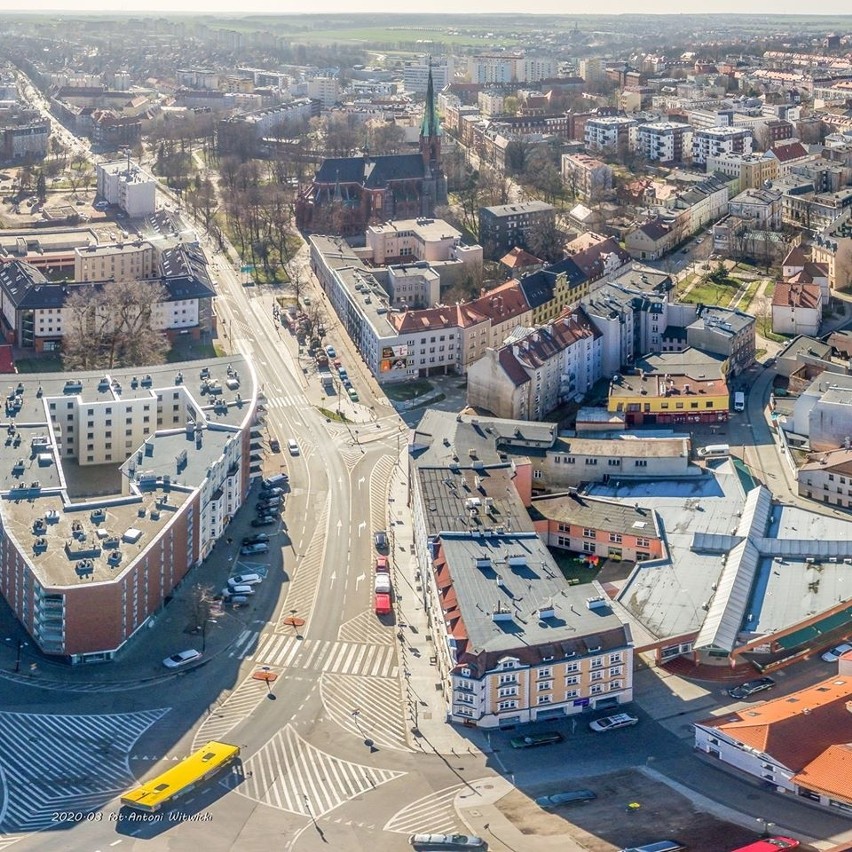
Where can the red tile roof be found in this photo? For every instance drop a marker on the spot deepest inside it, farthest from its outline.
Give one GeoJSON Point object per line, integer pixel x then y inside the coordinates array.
{"type": "Point", "coordinates": [830, 773]}
{"type": "Point", "coordinates": [796, 295]}
{"type": "Point", "coordinates": [796, 257]}
{"type": "Point", "coordinates": [517, 258]}
{"type": "Point", "coordinates": [786, 151]}
{"type": "Point", "coordinates": [511, 366]}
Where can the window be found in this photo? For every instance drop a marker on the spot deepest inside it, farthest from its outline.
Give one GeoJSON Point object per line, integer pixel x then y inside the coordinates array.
{"type": "Point", "coordinates": [615, 537]}
{"type": "Point", "coordinates": [571, 693]}
{"type": "Point", "coordinates": [569, 459]}
{"type": "Point", "coordinates": [614, 462]}
{"type": "Point", "coordinates": [615, 671]}
{"type": "Point", "coordinates": [545, 699]}
{"type": "Point", "coordinates": [507, 705]}
{"type": "Point", "coordinates": [614, 658]}
{"type": "Point", "coordinates": [615, 684]}
{"type": "Point", "coordinates": [591, 461]}
{"type": "Point", "coordinates": [545, 685]}
{"type": "Point", "coordinates": [506, 691]}
{"type": "Point", "coordinates": [545, 674]}
{"type": "Point", "coordinates": [589, 547]}
{"type": "Point", "coordinates": [596, 689]}
{"type": "Point", "coordinates": [598, 675]}
{"type": "Point", "coordinates": [641, 463]}
{"type": "Point", "coordinates": [572, 667]}
{"type": "Point", "coordinates": [597, 662]}
{"type": "Point", "coordinates": [643, 542]}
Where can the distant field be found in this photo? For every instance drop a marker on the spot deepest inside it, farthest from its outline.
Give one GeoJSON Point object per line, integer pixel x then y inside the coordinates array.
{"type": "Point", "coordinates": [393, 36]}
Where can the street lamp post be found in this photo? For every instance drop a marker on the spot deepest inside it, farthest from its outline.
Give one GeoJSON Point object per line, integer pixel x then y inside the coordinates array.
{"type": "Point", "coordinates": [766, 826]}
{"type": "Point", "coordinates": [20, 644]}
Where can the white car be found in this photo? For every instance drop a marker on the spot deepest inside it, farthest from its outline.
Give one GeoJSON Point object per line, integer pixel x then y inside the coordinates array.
{"type": "Point", "coordinates": [182, 658]}
{"type": "Point", "coordinates": [446, 841]}
{"type": "Point", "coordinates": [382, 584]}
{"type": "Point", "coordinates": [611, 723]}
{"type": "Point", "coordinates": [832, 655]}
{"type": "Point", "coordinates": [293, 447]}
{"type": "Point", "coordinates": [245, 580]}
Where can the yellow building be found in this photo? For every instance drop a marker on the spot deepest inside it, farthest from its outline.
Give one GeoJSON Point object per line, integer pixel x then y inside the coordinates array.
{"type": "Point", "coordinates": [683, 394]}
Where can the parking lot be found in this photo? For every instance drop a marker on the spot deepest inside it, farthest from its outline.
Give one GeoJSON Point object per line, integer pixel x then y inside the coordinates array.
{"type": "Point", "coordinates": [613, 820]}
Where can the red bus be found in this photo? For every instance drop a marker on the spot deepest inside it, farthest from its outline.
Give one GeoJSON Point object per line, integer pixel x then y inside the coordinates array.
{"type": "Point", "coordinates": [769, 844]}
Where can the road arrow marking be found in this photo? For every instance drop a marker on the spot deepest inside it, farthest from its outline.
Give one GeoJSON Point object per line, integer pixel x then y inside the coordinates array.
{"type": "Point", "coordinates": [358, 580]}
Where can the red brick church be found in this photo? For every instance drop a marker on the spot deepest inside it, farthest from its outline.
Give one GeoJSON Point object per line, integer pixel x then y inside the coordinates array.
{"type": "Point", "coordinates": [349, 193]}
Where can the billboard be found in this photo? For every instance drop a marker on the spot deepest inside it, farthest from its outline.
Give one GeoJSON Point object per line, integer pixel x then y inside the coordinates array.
{"type": "Point", "coordinates": [389, 365]}
{"type": "Point", "coordinates": [391, 352]}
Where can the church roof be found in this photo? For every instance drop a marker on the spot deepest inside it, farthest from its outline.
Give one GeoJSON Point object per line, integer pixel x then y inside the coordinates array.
{"type": "Point", "coordinates": [371, 172]}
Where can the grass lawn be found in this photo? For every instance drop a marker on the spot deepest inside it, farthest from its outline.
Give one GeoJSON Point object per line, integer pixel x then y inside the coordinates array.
{"type": "Point", "coordinates": [571, 568]}
{"type": "Point", "coordinates": [333, 415]}
{"type": "Point", "coordinates": [403, 392]}
{"type": "Point", "coordinates": [45, 364]}
{"type": "Point", "coordinates": [710, 293]}
{"type": "Point", "coordinates": [193, 350]}
{"type": "Point", "coordinates": [750, 293]}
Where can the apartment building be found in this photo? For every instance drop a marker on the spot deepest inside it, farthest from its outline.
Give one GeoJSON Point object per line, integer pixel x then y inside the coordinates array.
{"type": "Point", "coordinates": [797, 308]}
{"type": "Point", "coordinates": [750, 170]}
{"type": "Point", "coordinates": [714, 141]}
{"type": "Point", "coordinates": [827, 477]}
{"type": "Point", "coordinates": [539, 649]}
{"type": "Point", "coordinates": [537, 369]}
{"type": "Point", "coordinates": [664, 141]}
{"type": "Point", "coordinates": [592, 69]}
{"type": "Point", "coordinates": [121, 261]}
{"type": "Point", "coordinates": [415, 74]}
{"type": "Point", "coordinates": [128, 186]}
{"type": "Point", "coordinates": [325, 90]}
{"type": "Point", "coordinates": [832, 248]}
{"type": "Point", "coordinates": [242, 133]}
{"type": "Point", "coordinates": [505, 226]}
{"type": "Point", "coordinates": [588, 178]}
{"type": "Point", "coordinates": [607, 529]}
{"type": "Point", "coordinates": [788, 155]}
{"type": "Point", "coordinates": [78, 542]}
{"type": "Point", "coordinates": [25, 141]}
{"type": "Point", "coordinates": [549, 291]}
{"type": "Point", "coordinates": [815, 211]}
{"type": "Point", "coordinates": [611, 133]}
{"type": "Point", "coordinates": [725, 333]}
{"type": "Point", "coordinates": [761, 207]}
{"type": "Point", "coordinates": [497, 68]}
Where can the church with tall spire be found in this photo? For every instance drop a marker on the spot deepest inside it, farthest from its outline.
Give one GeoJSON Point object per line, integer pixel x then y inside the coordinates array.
{"type": "Point", "coordinates": [349, 193]}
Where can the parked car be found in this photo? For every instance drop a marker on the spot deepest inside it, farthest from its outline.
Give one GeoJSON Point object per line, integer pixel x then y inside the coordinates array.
{"type": "Point", "coordinates": [382, 584]}
{"type": "Point", "coordinates": [657, 846]}
{"type": "Point", "coordinates": [446, 841]}
{"type": "Point", "coordinates": [382, 566]}
{"type": "Point", "coordinates": [533, 740]}
{"type": "Point", "coordinates": [237, 591]}
{"type": "Point", "coordinates": [264, 521]}
{"type": "Point", "coordinates": [330, 351]}
{"type": "Point", "coordinates": [267, 493]}
{"type": "Point", "coordinates": [182, 658]}
{"type": "Point", "coordinates": [277, 480]}
{"type": "Point", "coordinates": [249, 579]}
{"type": "Point", "coordinates": [293, 447]}
{"type": "Point", "coordinates": [382, 604]}
{"type": "Point", "coordinates": [343, 374]}
{"type": "Point", "coordinates": [832, 655]}
{"type": "Point", "coordinates": [275, 445]}
{"type": "Point", "coordinates": [381, 539]}
{"type": "Point", "coordinates": [612, 723]}
{"type": "Point", "coordinates": [353, 394]}
{"type": "Point", "coordinates": [267, 507]}
{"type": "Point", "coordinates": [750, 687]}
{"type": "Point", "coordinates": [254, 549]}
{"type": "Point", "coordinates": [257, 538]}
{"type": "Point", "coordinates": [569, 797]}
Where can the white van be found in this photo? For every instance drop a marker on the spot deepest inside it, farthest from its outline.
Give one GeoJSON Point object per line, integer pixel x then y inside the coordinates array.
{"type": "Point", "coordinates": [237, 591]}
{"type": "Point", "coordinates": [714, 451]}
{"type": "Point", "coordinates": [739, 401]}
{"type": "Point", "coordinates": [245, 580]}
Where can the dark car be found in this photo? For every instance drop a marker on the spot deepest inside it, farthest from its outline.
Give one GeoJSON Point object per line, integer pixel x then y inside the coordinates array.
{"type": "Point", "coordinates": [569, 797]}
{"type": "Point", "coordinates": [533, 740]}
{"type": "Point", "coordinates": [269, 493]}
{"type": "Point", "coordinates": [264, 521]}
{"type": "Point", "coordinates": [257, 538]}
{"type": "Point", "coordinates": [275, 445]}
{"type": "Point", "coordinates": [750, 687]}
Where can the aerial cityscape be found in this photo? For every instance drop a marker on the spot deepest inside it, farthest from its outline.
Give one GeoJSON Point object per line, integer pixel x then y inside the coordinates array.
{"type": "Point", "coordinates": [426, 431]}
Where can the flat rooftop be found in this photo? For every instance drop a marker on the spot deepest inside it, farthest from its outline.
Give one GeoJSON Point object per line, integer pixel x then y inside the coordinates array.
{"type": "Point", "coordinates": [72, 520]}
{"type": "Point", "coordinates": [623, 446]}
{"type": "Point", "coordinates": [428, 230]}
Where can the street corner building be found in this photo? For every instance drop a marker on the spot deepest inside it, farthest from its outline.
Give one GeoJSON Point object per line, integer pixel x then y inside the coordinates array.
{"type": "Point", "coordinates": [112, 487]}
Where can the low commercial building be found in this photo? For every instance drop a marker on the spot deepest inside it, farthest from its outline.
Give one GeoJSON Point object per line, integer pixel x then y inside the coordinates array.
{"type": "Point", "coordinates": [797, 743]}
{"type": "Point", "coordinates": [115, 486]}
{"type": "Point", "coordinates": [431, 240]}
{"type": "Point", "coordinates": [604, 528]}
{"type": "Point", "coordinates": [128, 186]}
{"type": "Point", "coordinates": [682, 387]}
{"type": "Point", "coordinates": [827, 477]}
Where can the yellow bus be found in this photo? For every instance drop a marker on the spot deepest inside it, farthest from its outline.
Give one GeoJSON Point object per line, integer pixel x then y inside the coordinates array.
{"type": "Point", "coordinates": [180, 779]}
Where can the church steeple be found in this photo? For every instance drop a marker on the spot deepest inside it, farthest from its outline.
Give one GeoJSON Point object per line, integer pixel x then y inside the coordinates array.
{"type": "Point", "coordinates": [430, 126]}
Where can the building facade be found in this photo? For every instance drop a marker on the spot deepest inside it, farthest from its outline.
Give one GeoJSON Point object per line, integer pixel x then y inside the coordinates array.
{"type": "Point", "coordinates": [714, 141]}
{"type": "Point", "coordinates": [505, 226]}
{"type": "Point", "coordinates": [126, 185]}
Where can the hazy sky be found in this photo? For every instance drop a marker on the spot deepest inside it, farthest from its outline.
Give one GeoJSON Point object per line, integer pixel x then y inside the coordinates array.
{"type": "Point", "coordinates": [826, 7]}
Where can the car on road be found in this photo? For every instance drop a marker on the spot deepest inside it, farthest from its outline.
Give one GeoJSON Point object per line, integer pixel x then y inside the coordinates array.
{"type": "Point", "coordinates": [832, 655]}
{"type": "Point", "coordinates": [257, 538]}
{"type": "Point", "coordinates": [382, 603]}
{"type": "Point", "coordinates": [353, 394]}
{"type": "Point", "coordinates": [275, 445]}
{"type": "Point", "coordinates": [250, 579]}
{"type": "Point", "coordinates": [330, 351]}
{"type": "Point", "coordinates": [657, 846]}
{"type": "Point", "coordinates": [264, 521]}
{"type": "Point", "coordinates": [751, 687]}
{"type": "Point", "coordinates": [533, 740]}
{"type": "Point", "coordinates": [182, 658]}
{"type": "Point", "coordinates": [293, 447]}
{"type": "Point", "coordinates": [382, 566]}
{"type": "Point", "coordinates": [380, 537]}
{"type": "Point", "coordinates": [569, 797]}
{"type": "Point", "coordinates": [382, 584]}
{"type": "Point", "coordinates": [612, 723]}
{"type": "Point", "coordinates": [254, 549]}
{"type": "Point", "coordinates": [446, 841]}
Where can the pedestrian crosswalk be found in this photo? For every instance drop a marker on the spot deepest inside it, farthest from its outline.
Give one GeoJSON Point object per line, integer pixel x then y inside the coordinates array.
{"type": "Point", "coordinates": [369, 708]}
{"type": "Point", "coordinates": [56, 763]}
{"type": "Point", "coordinates": [365, 627]}
{"type": "Point", "coordinates": [244, 645]}
{"type": "Point", "coordinates": [222, 716]}
{"type": "Point", "coordinates": [290, 774]}
{"type": "Point", "coordinates": [287, 400]}
{"type": "Point", "coordinates": [324, 655]}
{"type": "Point", "coordinates": [434, 813]}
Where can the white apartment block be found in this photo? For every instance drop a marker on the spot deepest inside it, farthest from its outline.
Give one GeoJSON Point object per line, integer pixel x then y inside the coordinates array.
{"type": "Point", "coordinates": [326, 90]}
{"type": "Point", "coordinates": [610, 133]}
{"type": "Point", "coordinates": [126, 185]}
{"type": "Point", "coordinates": [496, 68]}
{"type": "Point", "coordinates": [713, 141]}
{"type": "Point", "coordinates": [664, 141]}
{"type": "Point", "coordinates": [537, 68]}
{"type": "Point", "coordinates": [490, 103]}
{"type": "Point", "coordinates": [415, 75]}
{"type": "Point", "coordinates": [592, 70]}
